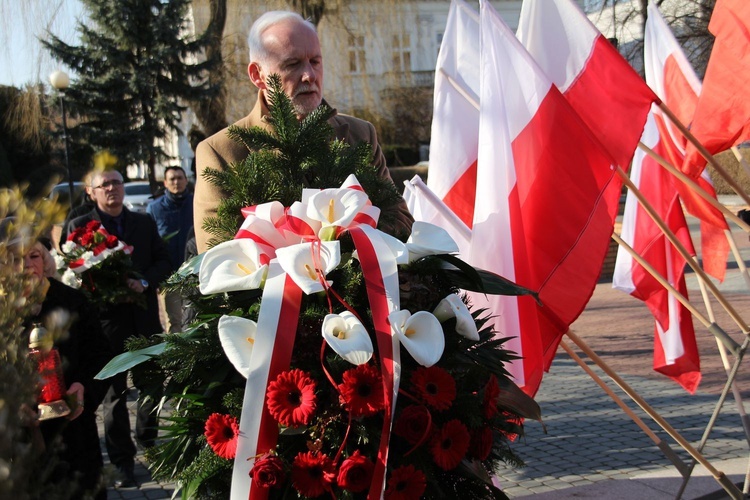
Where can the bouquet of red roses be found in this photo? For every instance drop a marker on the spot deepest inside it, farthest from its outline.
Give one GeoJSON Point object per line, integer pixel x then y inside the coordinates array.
{"type": "Point", "coordinates": [99, 264]}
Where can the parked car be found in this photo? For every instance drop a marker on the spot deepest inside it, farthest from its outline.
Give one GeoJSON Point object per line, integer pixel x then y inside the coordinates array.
{"type": "Point", "coordinates": [137, 196]}
{"type": "Point", "coordinates": [61, 193]}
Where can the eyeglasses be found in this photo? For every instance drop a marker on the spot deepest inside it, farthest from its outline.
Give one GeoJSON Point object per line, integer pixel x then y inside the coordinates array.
{"type": "Point", "coordinates": [108, 184]}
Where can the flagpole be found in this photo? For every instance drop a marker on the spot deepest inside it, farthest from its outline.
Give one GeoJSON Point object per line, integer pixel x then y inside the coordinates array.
{"type": "Point", "coordinates": [713, 201]}
{"type": "Point", "coordinates": [694, 186]}
{"type": "Point", "coordinates": [720, 477]}
{"type": "Point", "coordinates": [704, 152]}
{"type": "Point", "coordinates": [740, 159]}
{"type": "Point", "coordinates": [712, 327]}
{"type": "Point", "coordinates": [660, 443]}
{"type": "Point", "coordinates": [683, 251]}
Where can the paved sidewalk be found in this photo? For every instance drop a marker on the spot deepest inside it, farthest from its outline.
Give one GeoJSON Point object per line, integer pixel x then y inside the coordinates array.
{"type": "Point", "coordinates": [591, 448]}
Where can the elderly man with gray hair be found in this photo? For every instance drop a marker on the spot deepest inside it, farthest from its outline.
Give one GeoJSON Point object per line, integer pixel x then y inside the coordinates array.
{"type": "Point", "coordinates": [285, 44]}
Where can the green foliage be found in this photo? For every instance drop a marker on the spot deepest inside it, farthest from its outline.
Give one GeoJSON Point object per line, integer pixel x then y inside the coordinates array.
{"type": "Point", "coordinates": [133, 75]}
{"type": "Point", "coordinates": [198, 379]}
{"type": "Point", "coordinates": [27, 468]}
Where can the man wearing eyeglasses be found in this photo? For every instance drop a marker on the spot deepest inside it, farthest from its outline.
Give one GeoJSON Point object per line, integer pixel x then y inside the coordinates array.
{"type": "Point", "coordinates": [151, 261]}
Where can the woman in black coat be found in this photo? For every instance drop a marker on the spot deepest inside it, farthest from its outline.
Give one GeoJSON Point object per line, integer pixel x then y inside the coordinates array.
{"type": "Point", "coordinates": [84, 351]}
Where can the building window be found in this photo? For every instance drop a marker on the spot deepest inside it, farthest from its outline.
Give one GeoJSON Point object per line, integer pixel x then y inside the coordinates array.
{"type": "Point", "coordinates": [356, 54]}
{"type": "Point", "coordinates": [401, 53]}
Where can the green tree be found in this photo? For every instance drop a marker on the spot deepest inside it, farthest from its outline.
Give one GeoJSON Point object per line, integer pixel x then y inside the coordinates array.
{"type": "Point", "coordinates": [136, 69]}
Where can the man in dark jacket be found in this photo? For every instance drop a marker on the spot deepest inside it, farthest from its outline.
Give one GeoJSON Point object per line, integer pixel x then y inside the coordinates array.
{"type": "Point", "coordinates": [151, 263]}
{"type": "Point", "coordinates": [173, 213]}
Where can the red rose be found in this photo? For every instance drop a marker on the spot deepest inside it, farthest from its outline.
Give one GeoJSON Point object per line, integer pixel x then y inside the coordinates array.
{"type": "Point", "coordinates": [355, 473]}
{"type": "Point", "coordinates": [87, 239]}
{"type": "Point", "coordinates": [413, 424]}
{"type": "Point", "coordinates": [268, 472]}
{"type": "Point", "coordinates": [76, 235]}
{"type": "Point", "coordinates": [93, 225]}
{"type": "Point", "coordinates": [100, 248]}
{"type": "Point", "coordinates": [111, 241]}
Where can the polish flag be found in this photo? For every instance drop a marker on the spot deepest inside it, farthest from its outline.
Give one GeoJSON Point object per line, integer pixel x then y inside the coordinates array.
{"type": "Point", "coordinates": [455, 122]}
{"type": "Point", "coordinates": [595, 79]}
{"type": "Point", "coordinates": [722, 117]}
{"type": "Point", "coordinates": [675, 349]}
{"type": "Point", "coordinates": [670, 75]}
{"type": "Point", "coordinates": [541, 218]}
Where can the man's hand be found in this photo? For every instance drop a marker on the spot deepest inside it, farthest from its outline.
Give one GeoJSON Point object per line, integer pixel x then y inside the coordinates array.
{"type": "Point", "coordinates": [76, 388]}
{"type": "Point", "coordinates": [135, 285]}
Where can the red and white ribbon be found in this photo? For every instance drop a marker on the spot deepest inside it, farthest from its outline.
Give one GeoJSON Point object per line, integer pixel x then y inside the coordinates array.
{"type": "Point", "coordinates": [272, 352]}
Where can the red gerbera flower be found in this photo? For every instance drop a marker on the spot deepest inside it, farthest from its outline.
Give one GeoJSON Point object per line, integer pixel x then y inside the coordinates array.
{"type": "Point", "coordinates": [362, 391]}
{"type": "Point", "coordinates": [312, 473]}
{"type": "Point", "coordinates": [413, 424]}
{"type": "Point", "coordinates": [481, 443]}
{"type": "Point", "coordinates": [406, 483]}
{"type": "Point", "coordinates": [491, 392]}
{"type": "Point", "coordinates": [221, 433]}
{"type": "Point", "coordinates": [435, 387]}
{"type": "Point", "coordinates": [291, 398]}
{"type": "Point", "coordinates": [450, 444]}
{"type": "Point", "coordinates": [355, 473]}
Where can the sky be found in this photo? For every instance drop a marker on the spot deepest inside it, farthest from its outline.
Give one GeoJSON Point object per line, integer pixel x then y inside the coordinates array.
{"type": "Point", "coordinates": [22, 57]}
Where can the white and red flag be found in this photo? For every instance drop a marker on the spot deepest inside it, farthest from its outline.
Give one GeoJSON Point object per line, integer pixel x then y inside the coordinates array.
{"type": "Point", "coordinates": [601, 86]}
{"type": "Point", "coordinates": [675, 350]}
{"type": "Point", "coordinates": [722, 117]}
{"type": "Point", "coordinates": [670, 75]}
{"type": "Point", "coordinates": [455, 122]}
{"type": "Point", "coordinates": [540, 217]}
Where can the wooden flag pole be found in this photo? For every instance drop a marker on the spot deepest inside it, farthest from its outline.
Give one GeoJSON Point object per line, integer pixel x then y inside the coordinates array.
{"type": "Point", "coordinates": [660, 443]}
{"type": "Point", "coordinates": [683, 252]}
{"type": "Point", "coordinates": [708, 156]}
{"type": "Point", "coordinates": [720, 477]}
{"type": "Point", "coordinates": [727, 367]}
{"type": "Point", "coordinates": [724, 392]}
{"type": "Point", "coordinates": [694, 186]}
{"type": "Point", "coordinates": [713, 201]}
{"type": "Point", "coordinates": [716, 330]}
{"type": "Point", "coordinates": [738, 258]}
{"type": "Point", "coordinates": [740, 159]}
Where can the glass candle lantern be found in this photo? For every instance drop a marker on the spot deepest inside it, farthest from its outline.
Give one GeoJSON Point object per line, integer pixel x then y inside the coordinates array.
{"type": "Point", "coordinates": [49, 367]}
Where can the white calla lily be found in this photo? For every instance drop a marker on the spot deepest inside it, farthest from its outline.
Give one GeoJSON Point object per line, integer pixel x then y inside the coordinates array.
{"type": "Point", "coordinates": [305, 261]}
{"type": "Point", "coordinates": [231, 266]}
{"type": "Point", "coordinates": [420, 333]}
{"type": "Point", "coordinates": [336, 207]}
{"type": "Point", "coordinates": [396, 246]}
{"type": "Point", "coordinates": [429, 239]}
{"type": "Point", "coordinates": [453, 307]}
{"type": "Point", "coordinates": [348, 337]}
{"type": "Point", "coordinates": [237, 336]}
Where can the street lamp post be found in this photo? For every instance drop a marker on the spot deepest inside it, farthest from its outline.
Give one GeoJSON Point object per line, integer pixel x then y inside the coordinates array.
{"type": "Point", "coordinates": [60, 81]}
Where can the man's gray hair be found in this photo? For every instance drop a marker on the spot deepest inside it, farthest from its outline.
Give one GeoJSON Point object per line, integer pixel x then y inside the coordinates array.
{"type": "Point", "coordinates": [256, 49]}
